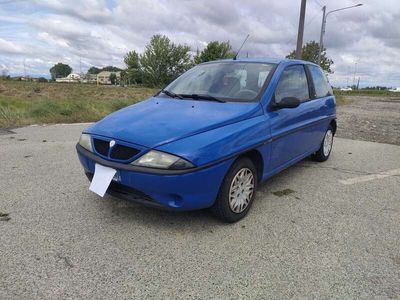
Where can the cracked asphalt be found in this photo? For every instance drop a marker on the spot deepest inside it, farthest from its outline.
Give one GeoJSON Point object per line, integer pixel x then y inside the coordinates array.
{"type": "Point", "coordinates": [316, 230]}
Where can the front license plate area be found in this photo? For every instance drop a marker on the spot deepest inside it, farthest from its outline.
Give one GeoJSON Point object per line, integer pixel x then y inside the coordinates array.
{"type": "Point", "coordinates": [101, 179]}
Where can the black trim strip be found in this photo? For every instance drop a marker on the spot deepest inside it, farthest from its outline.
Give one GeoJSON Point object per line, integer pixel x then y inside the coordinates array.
{"type": "Point", "coordinates": [147, 170]}
{"type": "Point", "coordinates": [125, 192]}
{"type": "Point", "coordinates": [129, 167]}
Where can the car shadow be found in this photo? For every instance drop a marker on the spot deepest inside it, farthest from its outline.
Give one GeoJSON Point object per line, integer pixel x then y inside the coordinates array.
{"type": "Point", "coordinates": [274, 189]}
{"type": "Point", "coordinates": [124, 211]}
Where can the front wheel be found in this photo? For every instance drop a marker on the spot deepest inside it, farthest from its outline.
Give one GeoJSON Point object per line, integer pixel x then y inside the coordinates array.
{"type": "Point", "coordinates": [237, 191]}
{"type": "Point", "coordinates": [326, 146]}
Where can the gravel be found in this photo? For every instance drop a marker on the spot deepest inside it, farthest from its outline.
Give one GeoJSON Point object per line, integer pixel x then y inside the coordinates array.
{"type": "Point", "coordinates": [372, 119]}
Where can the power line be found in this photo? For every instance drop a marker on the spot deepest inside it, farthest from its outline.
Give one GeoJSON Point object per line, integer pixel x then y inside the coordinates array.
{"type": "Point", "coordinates": [312, 19]}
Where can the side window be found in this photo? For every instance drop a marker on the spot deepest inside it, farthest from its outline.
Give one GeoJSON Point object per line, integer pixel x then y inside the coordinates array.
{"type": "Point", "coordinates": [293, 83]}
{"type": "Point", "coordinates": [321, 84]}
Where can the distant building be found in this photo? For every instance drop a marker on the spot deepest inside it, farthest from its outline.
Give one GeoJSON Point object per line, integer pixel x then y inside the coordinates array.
{"type": "Point", "coordinates": [90, 78]}
{"type": "Point", "coordinates": [73, 77]}
{"type": "Point", "coordinates": [104, 77]}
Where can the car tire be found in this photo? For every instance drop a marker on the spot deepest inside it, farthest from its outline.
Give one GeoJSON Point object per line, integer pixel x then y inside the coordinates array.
{"type": "Point", "coordinates": [237, 191]}
{"type": "Point", "coordinates": [324, 151]}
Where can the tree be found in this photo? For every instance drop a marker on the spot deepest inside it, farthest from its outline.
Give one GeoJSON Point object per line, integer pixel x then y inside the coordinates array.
{"type": "Point", "coordinates": [162, 61]}
{"type": "Point", "coordinates": [133, 72]}
{"type": "Point", "coordinates": [131, 60]}
{"type": "Point", "coordinates": [310, 52]}
{"type": "Point", "coordinates": [94, 70]}
{"type": "Point", "coordinates": [60, 70]}
{"type": "Point", "coordinates": [214, 50]}
{"type": "Point", "coordinates": [111, 69]}
{"type": "Point", "coordinates": [113, 78]}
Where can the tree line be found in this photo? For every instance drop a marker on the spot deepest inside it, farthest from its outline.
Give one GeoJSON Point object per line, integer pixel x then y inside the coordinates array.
{"type": "Point", "coordinates": [162, 61]}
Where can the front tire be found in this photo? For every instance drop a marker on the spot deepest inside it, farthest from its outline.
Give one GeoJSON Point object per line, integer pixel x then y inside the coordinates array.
{"type": "Point", "coordinates": [237, 191]}
{"type": "Point", "coordinates": [326, 146]}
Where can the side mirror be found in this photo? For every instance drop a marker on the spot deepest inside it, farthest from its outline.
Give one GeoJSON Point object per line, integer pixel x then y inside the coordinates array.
{"type": "Point", "coordinates": [287, 102]}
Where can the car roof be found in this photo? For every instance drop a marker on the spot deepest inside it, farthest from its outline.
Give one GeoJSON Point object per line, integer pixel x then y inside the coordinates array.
{"type": "Point", "coordinates": [265, 60]}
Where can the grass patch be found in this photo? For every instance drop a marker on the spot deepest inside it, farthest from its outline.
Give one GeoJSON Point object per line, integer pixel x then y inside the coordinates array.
{"type": "Point", "coordinates": [371, 93]}
{"type": "Point", "coordinates": [25, 103]}
{"type": "Point", "coordinates": [340, 99]}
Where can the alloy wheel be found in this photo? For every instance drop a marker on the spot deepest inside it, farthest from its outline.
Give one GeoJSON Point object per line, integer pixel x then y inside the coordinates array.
{"type": "Point", "coordinates": [241, 190]}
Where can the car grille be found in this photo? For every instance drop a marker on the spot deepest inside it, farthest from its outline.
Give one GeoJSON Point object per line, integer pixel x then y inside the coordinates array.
{"type": "Point", "coordinates": [119, 152]}
{"type": "Point", "coordinates": [123, 152]}
{"type": "Point", "coordinates": [101, 146]}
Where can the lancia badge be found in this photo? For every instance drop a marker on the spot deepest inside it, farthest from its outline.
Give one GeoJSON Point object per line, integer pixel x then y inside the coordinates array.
{"type": "Point", "coordinates": [112, 143]}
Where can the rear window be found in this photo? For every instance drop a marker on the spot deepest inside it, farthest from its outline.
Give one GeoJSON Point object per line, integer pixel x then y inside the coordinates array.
{"type": "Point", "coordinates": [321, 84]}
{"type": "Point", "coordinates": [293, 83]}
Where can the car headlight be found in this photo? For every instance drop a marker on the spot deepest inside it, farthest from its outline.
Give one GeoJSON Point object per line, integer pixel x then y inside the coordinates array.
{"type": "Point", "coordinates": [162, 160]}
{"type": "Point", "coordinates": [86, 142]}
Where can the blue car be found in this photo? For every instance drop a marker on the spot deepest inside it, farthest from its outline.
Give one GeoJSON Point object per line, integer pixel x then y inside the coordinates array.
{"type": "Point", "coordinates": [212, 135]}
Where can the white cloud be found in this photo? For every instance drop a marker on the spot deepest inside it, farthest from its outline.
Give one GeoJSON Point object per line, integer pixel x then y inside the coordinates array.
{"type": "Point", "coordinates": [9, 47]}
{"type": "Point", "coordinates": [98, 32]}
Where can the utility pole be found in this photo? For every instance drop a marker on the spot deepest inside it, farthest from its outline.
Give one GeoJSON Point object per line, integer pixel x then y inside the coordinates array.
{"type": "Point", "coordinates": [355, 71]}
{"type": "Point", "coordinates": [324, 16]}
{"type": "Point", "coordinates": [321, 37]}
{"type": "Point", "coordinates": [301, 29]}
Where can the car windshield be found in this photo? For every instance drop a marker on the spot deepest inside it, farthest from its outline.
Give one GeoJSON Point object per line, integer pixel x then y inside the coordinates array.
{"type": "Point", "coordinates": [225, 81]}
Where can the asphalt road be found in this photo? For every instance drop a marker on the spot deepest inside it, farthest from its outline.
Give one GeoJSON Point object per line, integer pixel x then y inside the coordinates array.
{"type": "Point", "coordinates": [334, 232]}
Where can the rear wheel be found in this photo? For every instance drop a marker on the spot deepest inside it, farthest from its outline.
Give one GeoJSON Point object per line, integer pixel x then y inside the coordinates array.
{"type": "Point", "coordinates": [237, 191]}
{"type": "Point", "coordinates": [326, 146]}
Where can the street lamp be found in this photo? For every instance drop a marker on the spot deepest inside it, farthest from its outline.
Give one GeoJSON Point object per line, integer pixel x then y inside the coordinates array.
{"type": "Point", "coordinates": [324, 16]}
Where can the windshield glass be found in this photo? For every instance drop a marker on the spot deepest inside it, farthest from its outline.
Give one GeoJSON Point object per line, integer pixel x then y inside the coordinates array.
{"type": "Point", "coordinates": [230, 81]}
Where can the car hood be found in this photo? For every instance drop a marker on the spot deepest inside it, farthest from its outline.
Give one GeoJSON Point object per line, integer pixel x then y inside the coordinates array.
{"type": "Point", "coordinates": [158, 121]}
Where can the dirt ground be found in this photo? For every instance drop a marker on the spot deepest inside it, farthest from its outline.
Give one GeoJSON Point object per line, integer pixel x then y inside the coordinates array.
{"type": "Point", "coordinates": [375, 119]}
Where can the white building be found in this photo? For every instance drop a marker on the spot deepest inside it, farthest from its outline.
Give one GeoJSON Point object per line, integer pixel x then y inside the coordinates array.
{"type": "Point", "coordinates": [104, 77]}
{"type": "Point", "coordinates": [73, 77]}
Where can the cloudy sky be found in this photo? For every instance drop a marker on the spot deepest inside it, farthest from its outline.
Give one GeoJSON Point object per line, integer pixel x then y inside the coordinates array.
{"type": "Point", "coordinates": [364, 41]}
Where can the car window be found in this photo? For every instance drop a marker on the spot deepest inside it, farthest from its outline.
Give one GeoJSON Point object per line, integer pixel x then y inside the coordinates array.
{"type": "Point", "coordinates": [321, 84]}
{"type": "Point", "coordinates": [293, 83]}
{"type": "Point", "coordinates": [231, 81]}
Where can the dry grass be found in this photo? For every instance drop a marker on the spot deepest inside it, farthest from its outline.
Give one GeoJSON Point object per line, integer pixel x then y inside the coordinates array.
{"type": "Point", "coordinates": [24, 103]}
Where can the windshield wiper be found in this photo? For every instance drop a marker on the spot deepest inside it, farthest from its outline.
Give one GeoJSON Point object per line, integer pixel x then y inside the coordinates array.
{"type": "Point", "coordinates": [203, 97]}
{"type": "Point", "coordinates": [170, 94]}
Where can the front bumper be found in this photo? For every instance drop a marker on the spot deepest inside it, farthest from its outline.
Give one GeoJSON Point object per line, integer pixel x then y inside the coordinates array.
{"type": "Point", "coordinates": [184, 190]}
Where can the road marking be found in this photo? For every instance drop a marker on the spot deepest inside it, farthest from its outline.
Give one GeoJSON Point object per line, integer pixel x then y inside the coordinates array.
{"type": "Point", "coordinates": [370, 177]}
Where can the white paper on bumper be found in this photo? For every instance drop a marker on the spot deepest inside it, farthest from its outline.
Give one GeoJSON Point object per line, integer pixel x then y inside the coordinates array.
{"type": "Point", "coordinates": [101, 179]}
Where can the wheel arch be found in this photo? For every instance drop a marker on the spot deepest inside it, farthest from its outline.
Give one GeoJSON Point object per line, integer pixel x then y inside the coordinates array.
{"type": "Point", "coordinates": [334, 126]}
{"type": "Point", "coordinates": [257, 159]}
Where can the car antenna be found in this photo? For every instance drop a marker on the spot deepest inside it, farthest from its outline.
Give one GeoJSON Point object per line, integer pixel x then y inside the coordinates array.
{"type": "Point", "coordinates": [237, 53]}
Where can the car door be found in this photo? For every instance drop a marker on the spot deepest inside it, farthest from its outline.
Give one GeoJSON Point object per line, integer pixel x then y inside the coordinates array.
{"type": "Point", "coordinates": [292, 128]}
{"type": "Point", "coordinates": [323, 102]}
